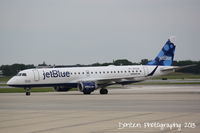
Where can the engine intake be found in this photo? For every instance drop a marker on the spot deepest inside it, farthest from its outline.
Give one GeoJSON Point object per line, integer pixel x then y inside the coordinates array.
{"type": "Point", "coordinates": [87, 87]}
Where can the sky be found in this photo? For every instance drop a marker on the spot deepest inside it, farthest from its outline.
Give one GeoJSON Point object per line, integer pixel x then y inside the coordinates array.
{"type": "Point", "coordinates": [66, 32]}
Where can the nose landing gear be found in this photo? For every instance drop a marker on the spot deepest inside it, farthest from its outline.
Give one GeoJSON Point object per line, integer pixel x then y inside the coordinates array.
{"type": "Point", "coordinates": [28, 91]}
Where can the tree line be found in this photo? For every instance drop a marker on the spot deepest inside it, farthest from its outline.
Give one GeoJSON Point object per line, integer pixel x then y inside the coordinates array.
{"type": "Point", "coordinates": [11, 70]}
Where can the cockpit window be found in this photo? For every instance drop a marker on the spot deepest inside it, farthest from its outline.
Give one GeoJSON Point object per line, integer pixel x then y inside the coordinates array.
{"type": "Point", "coordinates": [21, 74]}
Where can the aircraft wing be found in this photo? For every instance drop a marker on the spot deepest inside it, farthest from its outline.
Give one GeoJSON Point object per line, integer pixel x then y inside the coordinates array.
{"type": "Point", "coordinates": [111, 81]}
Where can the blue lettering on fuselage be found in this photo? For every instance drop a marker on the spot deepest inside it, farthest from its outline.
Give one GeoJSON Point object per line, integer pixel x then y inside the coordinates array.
{"type": "Point", "coordinates": [55, 74]}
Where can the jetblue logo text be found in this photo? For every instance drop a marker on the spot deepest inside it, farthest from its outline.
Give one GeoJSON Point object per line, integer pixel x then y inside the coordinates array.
{"type": "Point", "coordinates": [165, 58]}
{"type": "Point", "coordinates": [55, 74]}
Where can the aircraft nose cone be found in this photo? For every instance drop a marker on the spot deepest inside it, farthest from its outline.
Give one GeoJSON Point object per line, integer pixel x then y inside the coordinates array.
{"type": "Point", "coordinates": [11, 82]}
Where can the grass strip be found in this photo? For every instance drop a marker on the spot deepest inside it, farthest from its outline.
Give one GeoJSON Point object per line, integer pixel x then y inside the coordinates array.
{"type": "Point", "coordinates": [21, 90]}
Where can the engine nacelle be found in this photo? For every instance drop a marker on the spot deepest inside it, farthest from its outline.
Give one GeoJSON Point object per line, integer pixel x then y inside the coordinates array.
{"type": "Point", "coordinates": [87, 87]}
{"type": "Point", "coordinates": [61, 88]}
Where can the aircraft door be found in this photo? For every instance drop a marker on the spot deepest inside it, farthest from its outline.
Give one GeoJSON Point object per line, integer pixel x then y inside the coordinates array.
{"type": "Point", "coordinates": [36, 75]}
{"type": "Point", "coordinates": [145, 70]}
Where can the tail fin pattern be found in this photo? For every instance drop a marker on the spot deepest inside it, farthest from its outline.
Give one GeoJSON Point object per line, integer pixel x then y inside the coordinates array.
{"type": "Point", "coordinates": [166, 55]}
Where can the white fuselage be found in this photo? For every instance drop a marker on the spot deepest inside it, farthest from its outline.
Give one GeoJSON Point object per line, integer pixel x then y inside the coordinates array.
{"type": "Point", "coordinates": [88, 79]}
{"type": "Point", "coordinates": [100, 75]}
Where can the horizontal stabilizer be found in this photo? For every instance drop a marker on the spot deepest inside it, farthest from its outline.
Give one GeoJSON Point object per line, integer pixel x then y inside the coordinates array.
{"type": "Point", "coordinates": [174, 68]}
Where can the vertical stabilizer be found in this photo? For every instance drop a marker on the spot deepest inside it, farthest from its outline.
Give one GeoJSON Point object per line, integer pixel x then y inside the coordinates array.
{"type": "Point", "coordinates": [166, 55]}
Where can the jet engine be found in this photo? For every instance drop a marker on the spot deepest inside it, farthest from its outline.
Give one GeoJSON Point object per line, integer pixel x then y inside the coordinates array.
{"type": "Point", "coordinates": [87, 87]}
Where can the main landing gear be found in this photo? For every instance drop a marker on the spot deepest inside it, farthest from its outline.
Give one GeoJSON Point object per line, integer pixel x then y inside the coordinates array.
{"type": "Point", "coordinates": [103, 91]}
{"type": "Point", "coordinates": [28, 91]}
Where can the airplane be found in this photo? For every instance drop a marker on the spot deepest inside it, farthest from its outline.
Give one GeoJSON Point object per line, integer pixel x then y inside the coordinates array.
{"type": "Point", "coordinates": [89, 79]}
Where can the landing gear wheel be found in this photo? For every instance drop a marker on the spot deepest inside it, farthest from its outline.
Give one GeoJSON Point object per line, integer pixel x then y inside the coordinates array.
{"type": "Point", "coordinates": [28, 91]}
{"type": "Point", "coordinates": [103, 91]}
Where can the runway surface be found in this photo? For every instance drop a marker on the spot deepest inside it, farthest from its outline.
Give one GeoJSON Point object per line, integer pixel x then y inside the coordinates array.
{"type": "Point", "coordinates": [136, 108]}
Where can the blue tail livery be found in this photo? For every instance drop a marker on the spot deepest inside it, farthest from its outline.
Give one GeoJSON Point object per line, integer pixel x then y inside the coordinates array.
{"type": "Point", "coordinates": [166, 55]}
